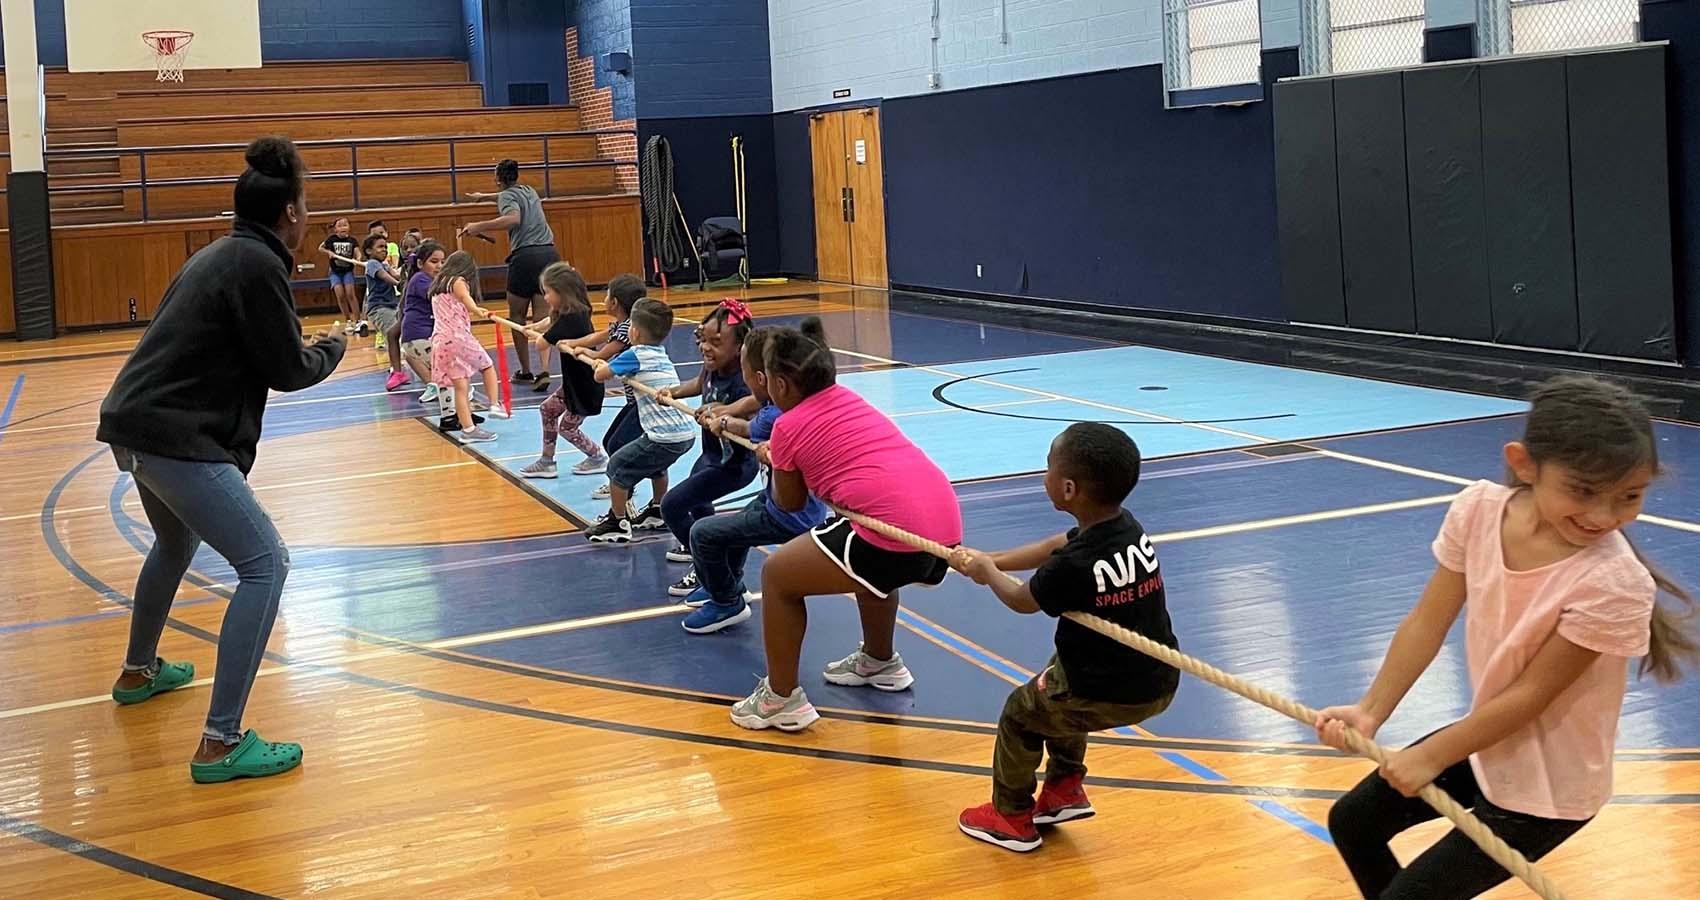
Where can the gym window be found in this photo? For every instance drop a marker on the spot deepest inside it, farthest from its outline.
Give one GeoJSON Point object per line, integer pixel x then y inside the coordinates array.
{"type": "Point", "coordinates": [1212, 52]}
{"type": "Point", "coordinates": [1339, 36]}
{"type": "Point", "coordinates": [1544, 26]}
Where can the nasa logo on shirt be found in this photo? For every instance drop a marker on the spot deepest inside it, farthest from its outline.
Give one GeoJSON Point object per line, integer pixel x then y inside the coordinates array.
{"type": "Point", "coordinates": [1138, 563]}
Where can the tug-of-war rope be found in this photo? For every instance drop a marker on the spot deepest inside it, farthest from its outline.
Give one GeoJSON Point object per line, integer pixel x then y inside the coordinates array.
{"type": "Point", "coordinates": [1473, 828]}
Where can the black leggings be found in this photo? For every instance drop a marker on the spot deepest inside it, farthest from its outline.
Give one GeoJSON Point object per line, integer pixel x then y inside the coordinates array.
{"type": "Point", "coordinates": [1363, 821]}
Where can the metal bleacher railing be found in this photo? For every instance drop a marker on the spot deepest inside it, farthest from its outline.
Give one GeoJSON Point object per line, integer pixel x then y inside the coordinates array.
{"type": "Point", "coordinates": [479, 172]}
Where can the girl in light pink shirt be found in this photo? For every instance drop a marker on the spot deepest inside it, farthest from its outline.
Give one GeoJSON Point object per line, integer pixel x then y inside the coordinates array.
{"type": "Point", "coordinates": [1556, 602]}
{"type": "Point", "coordinates": [832, 443]}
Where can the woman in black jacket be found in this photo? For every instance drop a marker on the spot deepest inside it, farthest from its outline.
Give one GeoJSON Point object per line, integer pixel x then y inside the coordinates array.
{"type": "Point", "coordinates": [183, 418]}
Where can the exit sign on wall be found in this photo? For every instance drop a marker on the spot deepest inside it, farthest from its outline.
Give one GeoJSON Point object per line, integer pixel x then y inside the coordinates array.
{"type": "Point", "coordinates": [841, 93]}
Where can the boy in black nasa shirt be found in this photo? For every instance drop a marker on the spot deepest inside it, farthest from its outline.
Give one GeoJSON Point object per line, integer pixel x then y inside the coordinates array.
{"type": "Point", "coordinates": [1106, 567]}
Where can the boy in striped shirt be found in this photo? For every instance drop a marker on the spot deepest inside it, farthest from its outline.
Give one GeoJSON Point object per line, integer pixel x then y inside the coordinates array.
{"type": "Point", "coordinates": [667, 433]}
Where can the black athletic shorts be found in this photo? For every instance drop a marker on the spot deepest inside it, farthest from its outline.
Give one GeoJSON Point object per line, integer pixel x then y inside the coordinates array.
{"type": "Point", "coordinates": [879, 570]}
{"type": "Point", "coordinates": [525, 269]}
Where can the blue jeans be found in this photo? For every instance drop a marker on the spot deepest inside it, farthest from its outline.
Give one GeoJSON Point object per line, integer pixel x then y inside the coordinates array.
{"type": "Point", "coordinates": [623, 430]}
{"type": "Point", "coordinates": [643, 458]}
{"type": "Point", "coordinates": [187, 502]}
{"type": "Point", "coordinates": [693, 499]}
{"type": "Point", "coordinates": [720, 545]}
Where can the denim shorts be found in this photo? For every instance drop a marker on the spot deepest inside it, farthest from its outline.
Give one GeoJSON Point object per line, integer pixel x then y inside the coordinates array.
{"type": "Point", "coordinates": [383, 318]}
{"type": "Point", "coordinates": [644, 458]}
{"type": "Point", "coordinates": [342, 278]}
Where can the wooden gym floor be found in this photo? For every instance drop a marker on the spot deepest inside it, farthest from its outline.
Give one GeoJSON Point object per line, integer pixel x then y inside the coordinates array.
{"type": "Point", "coordinates": [492, 708]}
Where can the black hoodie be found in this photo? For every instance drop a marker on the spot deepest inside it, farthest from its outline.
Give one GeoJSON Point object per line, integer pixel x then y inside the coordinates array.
{"type": "Point", "coordinates": [224, 334]}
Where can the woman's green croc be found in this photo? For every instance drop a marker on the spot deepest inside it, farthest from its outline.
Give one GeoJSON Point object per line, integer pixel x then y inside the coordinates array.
{"type": "Point", "coordinates": [254, 757]}
{"type": "Point", "coordinates": [170, 677]}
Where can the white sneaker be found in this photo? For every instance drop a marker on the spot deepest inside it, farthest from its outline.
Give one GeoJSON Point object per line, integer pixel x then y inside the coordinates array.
{"type": "Point", "coordinates": [765, 709]}
{"type": "Point", "coordinates": [859, 669]}
{"type": "Point", "coordinates": [501, 412]}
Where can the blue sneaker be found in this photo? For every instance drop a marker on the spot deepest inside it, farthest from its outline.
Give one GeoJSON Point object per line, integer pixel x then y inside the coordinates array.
{"type": "Point", "coordinates": [711, 617]}
{"type": "Point", "coordinates": [695, 597]}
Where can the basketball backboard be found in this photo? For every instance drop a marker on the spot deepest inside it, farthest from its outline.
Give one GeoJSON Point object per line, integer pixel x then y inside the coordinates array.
{"type": "Point", "coordinates": [106, 35]}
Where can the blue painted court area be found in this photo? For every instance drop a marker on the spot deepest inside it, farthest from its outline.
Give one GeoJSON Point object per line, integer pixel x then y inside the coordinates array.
{"type": "Point", "coordinates": [1290, 565]}
{"type": "Point", "coordinates": [1007, 410]}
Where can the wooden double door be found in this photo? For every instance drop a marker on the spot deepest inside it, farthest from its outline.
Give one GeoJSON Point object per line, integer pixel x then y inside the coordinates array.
{"type": "Point", "coordinates": [849, 197]}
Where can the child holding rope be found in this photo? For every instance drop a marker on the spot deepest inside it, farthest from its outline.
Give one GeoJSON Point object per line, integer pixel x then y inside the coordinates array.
{"type": "Point", "coordinates": [455, 354]}
{"type": "Point", "coordinates": [1556, 601]}
{"type": "Point", "coordinates": [623, 293]}
{"type": "Point", "coordinates": [667, 433]}
{"type": "Point", "coordinates": [831, 441]}
{"type": "Point", "coordinates": [418, 321]}
{"type": "Point", "coordinates": [1106, 566]}
{"type": "Point", "coordinates": [720, 544]}
{"type": "Point", "coordinates": [341, 250]}
{"type": "Point", "coordinates": [579, 396]}
{"type": "Point", "coordinates": [723, 467]}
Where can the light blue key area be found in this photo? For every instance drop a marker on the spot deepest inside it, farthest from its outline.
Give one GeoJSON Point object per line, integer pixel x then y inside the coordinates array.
{"type": "Point", "coordinates": [1203, 404]}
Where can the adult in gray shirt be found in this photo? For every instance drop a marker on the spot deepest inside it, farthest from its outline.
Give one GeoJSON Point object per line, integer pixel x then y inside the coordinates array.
{"type": "Point", "coordinates": [531, 248]}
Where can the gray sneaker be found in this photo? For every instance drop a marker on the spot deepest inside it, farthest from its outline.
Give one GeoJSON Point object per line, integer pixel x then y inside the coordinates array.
{"type": "Point", "coordinates": [543, 468]}
{"type": "Point", "coordinates": [589, 466]}
{"type": "Point", "coordinates": [475, 436]}
{"type": "Point", "coordinates": [860, 669]}
{"type": "Point", "coordinates": [765, 709]}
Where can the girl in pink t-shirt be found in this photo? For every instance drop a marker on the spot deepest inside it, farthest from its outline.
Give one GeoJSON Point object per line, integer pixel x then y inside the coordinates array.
{"type": "Point", "coordinates": [832, 443]}
{"type": "Point", "coordinates": [1556, 603]}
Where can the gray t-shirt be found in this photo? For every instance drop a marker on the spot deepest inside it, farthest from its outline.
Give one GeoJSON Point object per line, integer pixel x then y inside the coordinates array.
{"type": "Point", "coordinates": [533, 228]}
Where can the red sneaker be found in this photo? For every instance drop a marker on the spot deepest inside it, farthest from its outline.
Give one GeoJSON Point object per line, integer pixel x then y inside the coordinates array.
{"type": "Point", "coordinates": [1062, 801]}
{"type": "Point", "coordinates": [1009, 832]}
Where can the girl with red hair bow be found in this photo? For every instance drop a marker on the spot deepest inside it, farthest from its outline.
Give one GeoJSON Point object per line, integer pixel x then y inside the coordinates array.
{"type": "Point", "coordinates": [723, 466]}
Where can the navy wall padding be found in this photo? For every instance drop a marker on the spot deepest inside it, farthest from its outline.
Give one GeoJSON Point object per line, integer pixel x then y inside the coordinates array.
{"type": "Point", "coordinates": [1449, 43]}
{"type": "Point", "coordinates": [794, 177]}
{"type": "Point", "coordinates": [1375, 220]}
{"type": "Point", "coordinates": [1308, 212]}
{"type": "Point", "coordinates": [1620, 188]}
{"type": "Point", "coordinates": [1443, 152]}
{"type": "Point", "coordinates": [1678, 21]}
{"type": "Point", "coordinates": [1086, 188]}
{"type": "Point", "coordinates": [702, 176]}
{"type": "Point", "coordinates": [1526, 162]}
{"type": "Point", "coordinates": [31, 235]}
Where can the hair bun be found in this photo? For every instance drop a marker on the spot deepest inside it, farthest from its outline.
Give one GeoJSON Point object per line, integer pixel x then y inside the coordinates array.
{"type": "Point", "coordinates": [274, 156]}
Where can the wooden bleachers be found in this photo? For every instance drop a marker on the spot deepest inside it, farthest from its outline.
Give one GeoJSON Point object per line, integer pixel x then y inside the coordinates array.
{"type": "Point", "coordinates": [276, 74]}
{"type": "Point", "coordinates": [69, 112]}
{"type": "Point", "coordinates": [98, 269]}
{"type": "Point", "coordinates": [100, 126]}
{"type": "Point", "coordinates": [334, 186]}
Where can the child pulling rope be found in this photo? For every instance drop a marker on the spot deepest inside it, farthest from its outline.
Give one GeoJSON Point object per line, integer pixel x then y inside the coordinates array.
{"type": "Point", "coordinates": [1467, 823]}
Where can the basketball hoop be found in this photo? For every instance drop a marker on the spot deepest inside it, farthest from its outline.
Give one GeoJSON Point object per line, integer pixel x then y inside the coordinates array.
{"type": "Point", "coordinates": [170, 48]}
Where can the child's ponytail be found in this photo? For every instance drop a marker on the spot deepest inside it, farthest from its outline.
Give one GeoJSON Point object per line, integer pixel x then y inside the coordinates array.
{"type": "Point", "coordinates": [1672, 648]}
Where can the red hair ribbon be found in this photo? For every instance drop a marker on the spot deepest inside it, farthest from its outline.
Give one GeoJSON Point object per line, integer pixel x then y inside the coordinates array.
{"type": "Point", "coordinates": [736, 311]}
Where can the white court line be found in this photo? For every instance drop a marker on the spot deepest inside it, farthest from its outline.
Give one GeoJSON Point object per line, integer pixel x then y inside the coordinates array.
{"type": "Point", "coordinates": [1412, 471]}
{"type": "Point", "coordinates": [335, 662]}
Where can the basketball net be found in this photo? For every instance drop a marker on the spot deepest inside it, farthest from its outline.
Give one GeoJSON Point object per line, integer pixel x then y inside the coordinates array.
{"type": "Point", "coordinates": [170, 48]}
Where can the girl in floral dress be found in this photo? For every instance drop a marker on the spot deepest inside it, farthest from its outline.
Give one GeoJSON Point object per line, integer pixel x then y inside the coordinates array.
{"type": "Point", "coordinates": [455, 354]}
